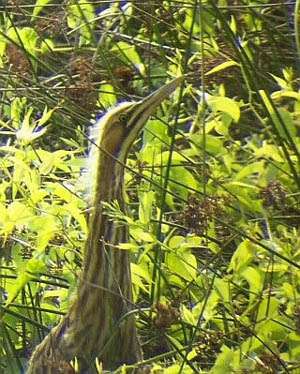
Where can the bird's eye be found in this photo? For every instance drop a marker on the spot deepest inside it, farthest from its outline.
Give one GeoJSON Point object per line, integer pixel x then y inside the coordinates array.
{"type": "Point", "coordinates": [123, 119]}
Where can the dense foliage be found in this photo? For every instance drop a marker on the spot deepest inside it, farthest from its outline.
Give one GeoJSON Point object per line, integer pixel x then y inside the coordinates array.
{"type": "Point", "coordinates": [212, 184]}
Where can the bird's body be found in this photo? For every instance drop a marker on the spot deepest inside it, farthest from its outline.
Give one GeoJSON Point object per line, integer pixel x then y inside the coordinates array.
{"type": "Point", "coordinates": [99, 323]}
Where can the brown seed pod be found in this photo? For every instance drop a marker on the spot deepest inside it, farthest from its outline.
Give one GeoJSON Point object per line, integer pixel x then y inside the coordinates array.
{"type": "Point", "coordinates": [16, 57]}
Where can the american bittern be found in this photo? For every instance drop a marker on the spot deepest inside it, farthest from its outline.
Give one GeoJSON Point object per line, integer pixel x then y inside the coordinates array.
{"type": "Point", "coordinates": [99, 323]}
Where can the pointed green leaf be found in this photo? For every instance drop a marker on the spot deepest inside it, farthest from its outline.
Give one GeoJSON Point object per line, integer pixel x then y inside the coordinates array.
{"type": "Point", "coordinates": [223, 66]}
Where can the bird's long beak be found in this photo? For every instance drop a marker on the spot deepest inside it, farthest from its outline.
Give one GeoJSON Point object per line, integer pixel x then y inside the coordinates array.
{"type": "Point", "coordinates": [144, 108]}
{"type": "Point", "coordinates": [158, 96]}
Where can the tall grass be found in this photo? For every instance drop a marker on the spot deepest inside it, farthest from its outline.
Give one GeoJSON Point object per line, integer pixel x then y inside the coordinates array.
{"type": "Point", "coordinates": [212, 185]}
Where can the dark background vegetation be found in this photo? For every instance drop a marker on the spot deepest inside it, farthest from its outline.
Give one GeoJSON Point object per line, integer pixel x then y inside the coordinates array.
{"type": "Point", "coordinates": [212, 184]}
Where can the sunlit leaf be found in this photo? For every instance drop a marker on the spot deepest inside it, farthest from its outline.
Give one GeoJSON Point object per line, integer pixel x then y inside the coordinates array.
{"type": "Point", "coordinates": [188, 316]}
{"type": "Point", "coordinates": [145, 207]}
{"type": "Point", "coordinates": [255, 279]}
{"type": "Point", "coordinates": [183, 264]}
{"type": "Point", "coordinates": [39, 5]}
{"type": "Point", "coordinates": [242, 256]}
{"type": "Point", "coordinates": [225, 105]}
{"type": "Point", "coordinates": [128, 53]}
{"type": "Point", "coordinates": [223, 66]}
{"type": "Point", "coordinates": [254, 167]}
{"type": "Point", "coordinates": [80, 16]}
{"type": "Point", "coordinates": [25, 37]}
{"type": "Point", "coordinates": [107, 95]}
{"type": "Point", "coordinates": [226, 362]}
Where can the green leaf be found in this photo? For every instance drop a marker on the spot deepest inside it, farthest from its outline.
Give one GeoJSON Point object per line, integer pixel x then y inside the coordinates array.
{"type": "Point", "coordinates": [61, 191]}
{"type": "Point", "coordinates": [156, 132]}
{"type": "Point", "coordinates": [288, 124]}
{"type": "Point", "coordinates": [212, 144]}
{"type": "Point", "coordinates": [176, 241]}
{"type": "Point", "coordinates": [223, 66]}
{"type": "Point", "coordinates": [46, 228]}
{"type": "Point", "coordinates": [25, 37]}
{"type": "Point", "coordinates": [281, 94]}
{"type": "Point", "coordinates": [242, 256]}
{"type": "Point", "coordinates": [35, 266]}
{"type": "Point", "coordinates": [233, 25]}
{"type": "Point", "coordinates": [140, 235]}
{"type": "Point", "coordinates": [175, 343]}
{"type": "Point", "coordinates": [210, 309]}
{"type": "Point", "coordinates": [76, 212]}
{"type": "Point", "coordinates": [227, 361]}
{"type": "Point", "coordinates": [146, 200]}
{"type": "Point", "coordinates": [14, 289]}
{"type": "Point", "coordinates": [187, 316]}
{"type": "Point", "coordinates": [53, 160]}
{"type": "Point", "coordinates": [182, 264]}
{"type": "Point", "coordinates": [17, 214]}
{"type": "Point", "coordinates": [81, 16]}
{"type": "Point", "coordinates": [28, 132]}
{"type": "Point", "coordinates": [222, 287]}
{"type": "Point", "coordinates": [139, 271]}
{"type": "Point", "coordinates": [253, 168]}
{"type": "Point", "coordinates": [3, 42]}
{"type": "Point", "coordinates": [269, 150]}
{"type": "Point", "coordinates": [255, 279]}
{"type": "Point", "coordinates": [271, 331]}
{"type": "Point", "coordinates": [268, 308]}
{"type": "Point", "coordinates": [288, 290]}
{"type": "Point", "coordinates": [47, 45]}
{"type": "Point", "coordinates": [251, 345]}
{"type": "Point", "coordinates": [128, 53]}
{"type": "Point", "coordinates": [281, 118]}
{"type": "Point", "coordinates": [163, 158]}
{"type": "Point", "coordinates": [149, 153]}
{"type": "Point", "coordinates": [16, 109]}
{"type": "Point", "coordinates": [39, 5]}
{"type": "Point", "coordinates": [47, 114]}
{"type": "Point", "coordinates": [131, 247]}
{"type": "Point", "coordinates": [186, 180]}
{"type": "Point", "coordinates": [294, 345]}
{"type": "Point", "coordinates": [224, 105]}
{"type": "Point", "coordinates": [281, 82]}
{"type": "Point", "coordinates": [192, 354]}
{"type": "Point", "coordinates": [107, 95]}
{"type": "Point", "coordinates": [176, 368]}
{"type": "Point", "coordinates": [244, 185]}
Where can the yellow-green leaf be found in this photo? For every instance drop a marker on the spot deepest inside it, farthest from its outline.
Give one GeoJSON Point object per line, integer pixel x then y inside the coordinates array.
{"type": "Point", "coordinates": [223, 66]}
{"type": "Point", "coordinates": [224, 105]}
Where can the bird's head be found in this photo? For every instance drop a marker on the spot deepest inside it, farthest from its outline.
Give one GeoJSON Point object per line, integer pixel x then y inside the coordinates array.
{"type": "Point", "coordinates": [119, 127]}
{"type": "Point", "coordinates": [112, 137]}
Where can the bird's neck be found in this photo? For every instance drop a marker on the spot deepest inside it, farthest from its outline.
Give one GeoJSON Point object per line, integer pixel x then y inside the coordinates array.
{"type": "Point", "coordinates": [102, 230]}
{"type": "Point", "coordinates": [105, 285]}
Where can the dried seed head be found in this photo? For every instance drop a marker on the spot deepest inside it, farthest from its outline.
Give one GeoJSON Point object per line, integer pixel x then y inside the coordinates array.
{"type": "Point", "coordinates": [17, 59]}
{"type": "Point", "coordinates": [124, 73]}
{"type": "Point", "coordinates": [82, 93]}
{"type": "Point", "coordinates": [197, 215]}
{"type": "Point", "coordinates": [267, 363]}
{"type": "Point", "coordinates": [209, 343]}
{"type": "Point", "coordinates": [166, 315]}
{"type": "Point", "coordinates": [51, 26]}
{"type": "Point", "coordinates": [274, 195]}
{"type": "Point", "coordinates": [83, 68]}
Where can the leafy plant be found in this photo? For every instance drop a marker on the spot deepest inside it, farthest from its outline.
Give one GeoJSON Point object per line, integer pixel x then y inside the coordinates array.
{"type": "Point", "coordinates": [212, 185]}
